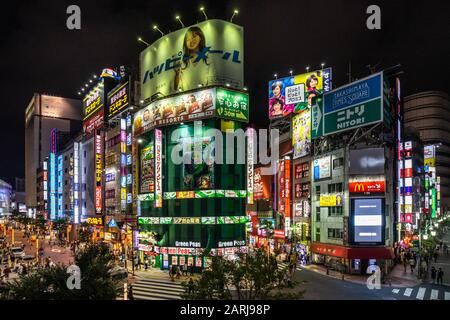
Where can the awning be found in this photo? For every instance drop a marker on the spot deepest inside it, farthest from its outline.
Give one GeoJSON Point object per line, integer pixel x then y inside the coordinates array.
{"type": "Point", "coordinates": [380, 253]}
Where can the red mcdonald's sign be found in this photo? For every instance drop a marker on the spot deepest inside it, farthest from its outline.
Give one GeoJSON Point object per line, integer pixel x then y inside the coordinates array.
{"type": "Point", "coordinates": [366, 186]}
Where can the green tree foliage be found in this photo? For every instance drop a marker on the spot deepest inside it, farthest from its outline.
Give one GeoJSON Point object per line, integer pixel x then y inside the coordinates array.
{"type": "Point", "coordinates": [254, 276]}
{"type": "Point", "coordinates": [95, 263]}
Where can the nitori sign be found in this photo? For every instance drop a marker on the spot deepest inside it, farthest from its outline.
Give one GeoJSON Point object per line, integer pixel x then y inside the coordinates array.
{"type": "Point", "coordinates": [354, 105]}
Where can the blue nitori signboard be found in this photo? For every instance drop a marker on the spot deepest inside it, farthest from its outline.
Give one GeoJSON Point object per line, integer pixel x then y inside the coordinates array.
{"type": "Point", "coordinates": [354, 105]}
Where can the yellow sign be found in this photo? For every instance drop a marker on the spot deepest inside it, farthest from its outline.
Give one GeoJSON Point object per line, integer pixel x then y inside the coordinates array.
{"type": "Point", "coordinates": [94, 220]}
{"type": "Point", "coordinates": [332, 200]}
{"type": "Point", "coordinates": [431, 162]}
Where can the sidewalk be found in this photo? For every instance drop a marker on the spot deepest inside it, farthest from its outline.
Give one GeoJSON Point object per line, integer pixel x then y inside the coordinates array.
{"type": "Point", "coordinates": [398, 279]}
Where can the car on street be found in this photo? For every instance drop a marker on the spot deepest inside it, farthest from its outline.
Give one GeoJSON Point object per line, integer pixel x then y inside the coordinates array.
{"type": "Point", "coordinates": [17, 252]}
{"type": "Point", "coordinates": [28, 257]}
{"type": "Point", "coordinates": [118, 273]}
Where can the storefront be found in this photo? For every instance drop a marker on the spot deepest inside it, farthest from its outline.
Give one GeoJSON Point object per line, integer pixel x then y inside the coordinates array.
{"type": "Point", "coordinates": [353, 260]}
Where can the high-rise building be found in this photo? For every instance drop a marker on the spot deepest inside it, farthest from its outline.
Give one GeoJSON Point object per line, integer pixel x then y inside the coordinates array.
{"type": "Point", "coordinates": [429, 112]}
{"type": "Point", "coordinates": [44, 113]}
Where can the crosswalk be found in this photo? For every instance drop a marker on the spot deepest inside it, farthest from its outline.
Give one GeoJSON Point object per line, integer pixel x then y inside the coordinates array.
{"type": "Point", "coordinates": [423, 293]}
{"type": "Point", "coordinates": [285, 265]}
{"type": "Point", "coordinates": [157, 289]}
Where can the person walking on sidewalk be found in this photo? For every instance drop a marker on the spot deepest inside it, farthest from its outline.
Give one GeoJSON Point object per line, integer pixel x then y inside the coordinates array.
{"type": "Point", "coordinates": [404, 264]}
{"type": "Point", "coordinates": [440, 276]}
{"type": "Point", "coordinates": [433, 274]}
{"type": "Point", "coordinates": [412, 264]}
{"type": "Point", "coordinates": [435, 256]}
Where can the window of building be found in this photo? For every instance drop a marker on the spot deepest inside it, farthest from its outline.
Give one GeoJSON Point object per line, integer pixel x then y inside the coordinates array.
{"type": "Point", "coordinates": [318, 234]}
{"type": "Point", "coordinates": [335, 233]}
{"type": "Point", "coordinates": [65, 182]}
{"type": "Point", "coordinates": [334, 187]}
{"type": "Point", "coordinates": [335, 211]}
{"type": "Point", "coordinates": [65, 158]}
{"type": "Point", "coordinates": [318, 214]}
{"type": "Point", "coordinates": [338, 163]}
{"type": "Point", "coordinates": [317, 192]}
{"type": "Point", "coordinates": [298, 190]}
{"type": "Point", "coordinates": [85, 153]}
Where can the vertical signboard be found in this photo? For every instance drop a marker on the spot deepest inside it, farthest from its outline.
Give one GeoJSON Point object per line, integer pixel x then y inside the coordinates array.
{"type": "Point", "coordinates": [158, 171]}
{"type": "Point", "coordinates": [76, 215]}
{"type": "Point", "coordinates": [287, 187]}
{"type": "Point", "coordinates": [98, 171]}
{"type": "Point", "coordinates": [301, 133]}
{"type": "Point", "coordinates": [250, 160]}
{"type": "Point", "coordinates": [53, 175]}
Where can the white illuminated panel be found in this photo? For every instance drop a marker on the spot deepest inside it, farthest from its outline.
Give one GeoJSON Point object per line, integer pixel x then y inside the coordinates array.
{"type": "Point", "coordinates": [369, 220]}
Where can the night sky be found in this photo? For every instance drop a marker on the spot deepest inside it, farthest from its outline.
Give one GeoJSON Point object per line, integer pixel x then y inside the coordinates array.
{"type": "Point", "coordinates": [39, 54]}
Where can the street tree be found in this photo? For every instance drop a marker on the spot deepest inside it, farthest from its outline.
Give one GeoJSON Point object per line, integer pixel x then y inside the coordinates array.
{"type": "Point", "coordinates": [95, 264]}
{"type": "Point", "coordinates": [254, 276]}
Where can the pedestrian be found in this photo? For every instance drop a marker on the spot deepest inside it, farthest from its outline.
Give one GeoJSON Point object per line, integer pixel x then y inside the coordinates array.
{"type": "Point", "coordinates": [146, 263]}
{"type": "Point", "coordinates": [190, 285]}
{"type": "Point", "coordinates": [446, 249]}
{"type": "Point", "coordinates": [404, 264]}
{"type": "Point", "coordinates": [178, 272]}
{"type": "Point", "coordinates": [191, 269]}
{"type": "Point", "coordinates": [433, 274]}
{"type": "Point", "coordinates": [185, 269]}
{"type": "Point", "coordinates": [441, 244]}
{"type": "Point", "coordinates": [7, 271]}
{"type": "Point", "coordinates": [435, 256]}
{"type": "Point", "coordinates": [412, 264]}
{"type": "Point", "coordinates": [170, 272]}
{"type": "Point", "coordinates": [440, 276]}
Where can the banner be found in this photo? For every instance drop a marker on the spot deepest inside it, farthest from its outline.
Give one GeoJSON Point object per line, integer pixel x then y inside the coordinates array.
{"type": "Point", "coordinates": [301, 133]}
{"type": "Point", "coordinates": [332, 200]}
{"type": "Point", "coordinates": [208, 53]}
{"type": "Point", "coordinates": [297, 93]}
{"type": "Point", "coordinates": [354, 105]}
{"type": "Point", "coordinates": [98, 172]}
{"type": "Point", "coordinates": [147, 169]}
{"type": "Point", "coordinates": [118, 99]}
{"type": "Point", "coordinates": [158, 169]}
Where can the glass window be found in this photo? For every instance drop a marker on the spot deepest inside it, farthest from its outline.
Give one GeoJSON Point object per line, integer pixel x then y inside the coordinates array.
{"type": "Point", "coordinates": [338, 163]}
{"type": "Point", "coordinates": [318, 214]}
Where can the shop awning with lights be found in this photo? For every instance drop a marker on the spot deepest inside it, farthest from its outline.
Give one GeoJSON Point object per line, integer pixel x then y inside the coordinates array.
{"type": "Point", "coordinates": [380, 253]}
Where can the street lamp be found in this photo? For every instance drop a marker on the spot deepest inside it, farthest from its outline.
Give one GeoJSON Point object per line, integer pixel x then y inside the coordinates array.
{"type": "Point", "coordinates": [307, 68]}
{"type": "Point", "coordinates": [322, 64]}
{"type": "Point", "coordinates": [141, 40]}
{"type": "Point", "coordinates": [202, 9]}
{"type": "Point", "coordinates": [178, 18]}
{"type": "Point", "coordinates": [235, 12]}
{"type": "Point", "coordinates": [155, 27]}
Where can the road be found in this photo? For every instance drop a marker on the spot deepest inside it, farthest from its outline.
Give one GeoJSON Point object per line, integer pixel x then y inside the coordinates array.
{"type": "Point", "coordinates": [59, 255]}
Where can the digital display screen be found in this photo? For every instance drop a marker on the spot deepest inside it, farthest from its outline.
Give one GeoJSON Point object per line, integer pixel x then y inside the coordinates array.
{"type": "Point", "coordinates": [368, 220]}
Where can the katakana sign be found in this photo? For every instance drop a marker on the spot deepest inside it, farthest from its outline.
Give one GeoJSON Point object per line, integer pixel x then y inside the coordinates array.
{"type": "Point", "coordinates": [354, 105]}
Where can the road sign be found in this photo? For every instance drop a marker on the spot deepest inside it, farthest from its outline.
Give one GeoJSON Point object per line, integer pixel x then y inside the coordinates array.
{"type": "Point", "coordinates": [351, 106]}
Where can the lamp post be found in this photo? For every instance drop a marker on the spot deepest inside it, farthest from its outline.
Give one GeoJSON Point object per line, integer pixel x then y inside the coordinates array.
{"type": "Point", "coordinates": [202, 9]}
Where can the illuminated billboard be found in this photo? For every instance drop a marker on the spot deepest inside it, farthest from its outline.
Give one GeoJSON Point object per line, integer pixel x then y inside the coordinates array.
{"type": "Point", "coordinates": [158, 169]}
{"type": "Point", "coordinates": [261, 185]}
{"type": "Point", "coordinates": [196, 105]}
{"type": "Point", "coordinates": [98, 172]}
{"type": "Point", "coordinates": [368, 221]}
{"type": "Point", "coordinates": [322, 168]}
{"type": "Point", "coordinates": [332, 200]}
{"type": "Point", "coordinates": [147, 169]}
{"type": "Point", "coordinates": [250, 170]}
{"type": "Point", "coordinates": [208, 53]}
{"type": "Point", "coordinates": [351, 106]}
{"type": "Point", "coordinates": [93, 101]}
{"type": "Point", "coordinates": [297, 93]}
{"type": "Point", "coordinates": [369, 161]}
{"type": "Point", "coordinates": [118, 99]}
{"type": "Point", "coordinates": [301, 133]}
